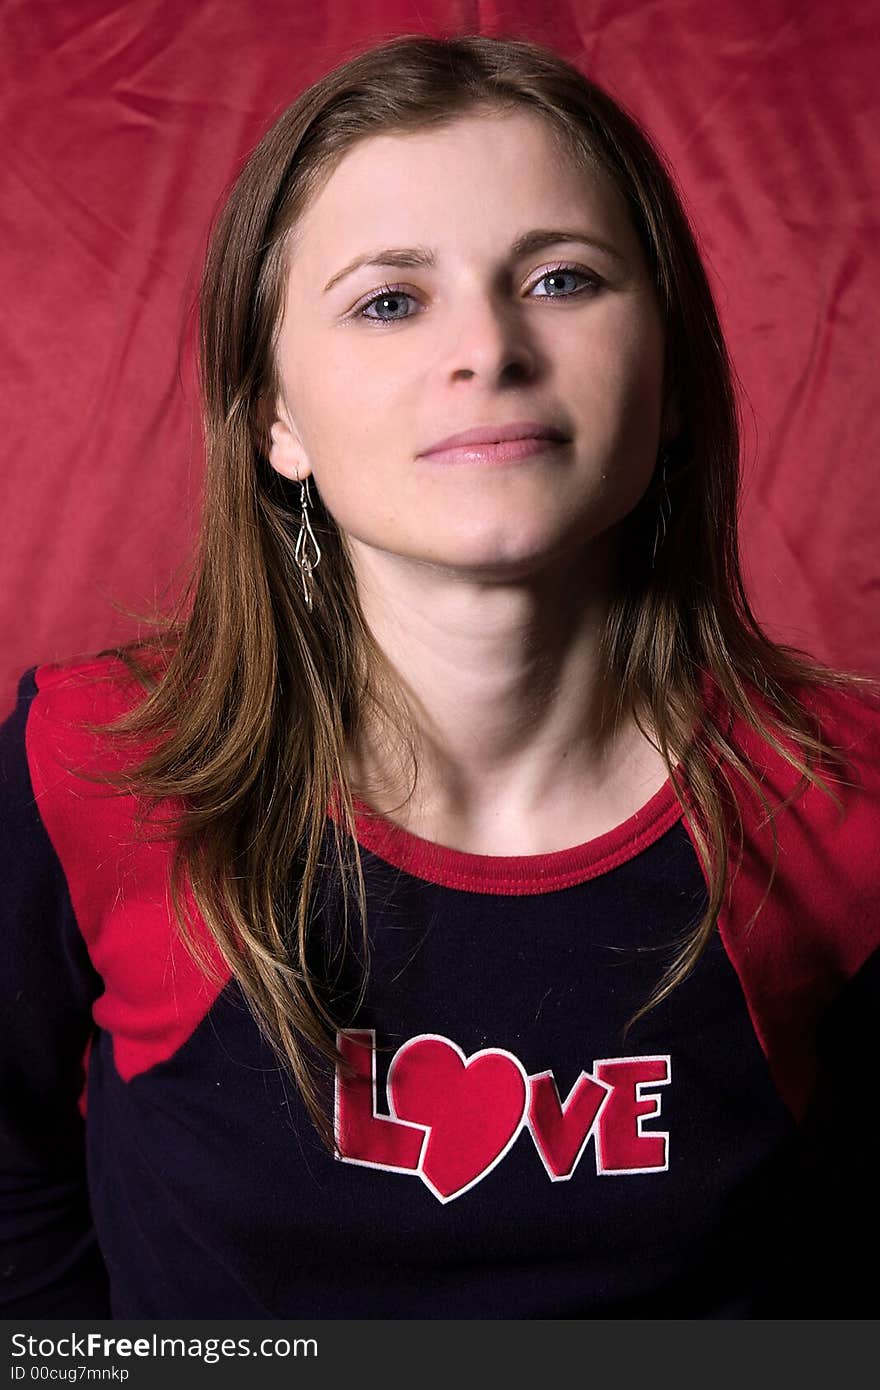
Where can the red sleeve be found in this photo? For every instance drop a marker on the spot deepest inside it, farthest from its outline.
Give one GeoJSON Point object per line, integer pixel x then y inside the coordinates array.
{"type": "Point", "coordinates": [819, 927]}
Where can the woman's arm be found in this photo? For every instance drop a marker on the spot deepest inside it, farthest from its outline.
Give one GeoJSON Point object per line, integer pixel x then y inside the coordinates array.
{"type": "Point", "coordinates": [50, 1264]}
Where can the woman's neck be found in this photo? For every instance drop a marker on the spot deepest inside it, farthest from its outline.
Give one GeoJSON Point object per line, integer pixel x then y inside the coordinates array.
{"type": "Point", "coordinates": [514, 723]}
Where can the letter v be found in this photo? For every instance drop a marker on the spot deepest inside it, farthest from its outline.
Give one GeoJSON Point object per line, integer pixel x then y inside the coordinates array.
{"type": "Point", "coordinates": [561, 1132]}
{"type": "Point", "coordinates": [362, 1136]}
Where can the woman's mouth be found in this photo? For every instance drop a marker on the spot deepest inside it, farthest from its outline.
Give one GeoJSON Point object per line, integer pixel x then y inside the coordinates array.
{"type": "Point", "coordinates": [493, 455]}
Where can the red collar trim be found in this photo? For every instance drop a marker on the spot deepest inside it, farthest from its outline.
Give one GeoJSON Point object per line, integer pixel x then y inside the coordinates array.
{"type": "Point", "coordinates": [519, 873]}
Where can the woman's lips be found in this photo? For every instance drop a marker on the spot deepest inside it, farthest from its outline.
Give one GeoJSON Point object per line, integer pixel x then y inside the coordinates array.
{"type": "Point", "coordinates": [488, 455]}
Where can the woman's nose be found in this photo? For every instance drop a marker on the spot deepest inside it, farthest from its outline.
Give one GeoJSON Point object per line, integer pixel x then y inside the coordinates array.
{"type": "Point", "coordinates": [490, 340]}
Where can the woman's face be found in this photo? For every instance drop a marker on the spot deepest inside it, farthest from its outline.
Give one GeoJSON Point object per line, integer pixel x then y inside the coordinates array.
{"type": "Point", "coordinates": [483, 335]}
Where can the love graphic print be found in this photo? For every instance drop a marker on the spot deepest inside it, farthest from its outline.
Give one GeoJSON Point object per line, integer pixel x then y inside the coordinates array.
{"type": "Point", "coordinates": [451, 1118]}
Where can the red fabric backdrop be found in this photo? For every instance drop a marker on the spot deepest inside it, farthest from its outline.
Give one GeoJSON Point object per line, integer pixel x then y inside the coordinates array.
{"type": "Point", "coordinates": [122, 124]}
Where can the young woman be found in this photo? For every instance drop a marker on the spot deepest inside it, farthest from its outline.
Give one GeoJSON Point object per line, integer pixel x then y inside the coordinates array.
{"type": "Point", "coordinates": [466, 649]}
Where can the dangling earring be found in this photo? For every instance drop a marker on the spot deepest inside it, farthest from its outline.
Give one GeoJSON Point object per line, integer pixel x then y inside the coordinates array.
{"type": "Point", "coordinates": [306, 534]}
{"type": "Point", "coordinates": [665, 511]}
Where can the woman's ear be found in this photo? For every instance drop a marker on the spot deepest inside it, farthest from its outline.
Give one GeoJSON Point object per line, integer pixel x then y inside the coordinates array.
{"type": "Point", "coordinates": [286, 452]}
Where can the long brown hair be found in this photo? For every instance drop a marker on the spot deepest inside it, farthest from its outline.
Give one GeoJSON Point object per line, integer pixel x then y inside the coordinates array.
{"type": "Point", "coordinates": [253, 699]}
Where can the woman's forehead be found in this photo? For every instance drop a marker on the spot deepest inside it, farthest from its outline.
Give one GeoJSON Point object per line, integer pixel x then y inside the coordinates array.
{"type": "Point", "coordinates": [493, 175]}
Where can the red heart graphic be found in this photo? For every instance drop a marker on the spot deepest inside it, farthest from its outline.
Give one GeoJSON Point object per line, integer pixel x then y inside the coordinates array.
{"type": "Point", "coordinates": [473, 1106]}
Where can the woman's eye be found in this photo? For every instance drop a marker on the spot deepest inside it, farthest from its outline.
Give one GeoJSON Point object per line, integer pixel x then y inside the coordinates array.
{"type": "Point", "coordinates": [565, 272]}
{"type": "Point", "coordinates": [393, 297]}
{"type": "Point", "coordinates": [389, 294]}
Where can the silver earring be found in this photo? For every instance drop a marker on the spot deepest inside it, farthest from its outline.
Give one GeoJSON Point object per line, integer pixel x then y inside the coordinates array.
{"type": "Point", "coordinates": [303, 559]}
{"type": "Point", "coordinates": [665, 508]}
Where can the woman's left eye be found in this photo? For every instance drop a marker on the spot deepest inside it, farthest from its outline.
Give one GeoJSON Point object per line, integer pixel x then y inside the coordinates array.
{"type": "Point", "coordinates": [396, 294]}
{"type": "Point", "coordinates": [559, 272]}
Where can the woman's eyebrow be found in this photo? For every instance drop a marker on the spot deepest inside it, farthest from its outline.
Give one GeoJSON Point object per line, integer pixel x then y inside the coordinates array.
{"type": "Point", "coordinates": [407, 257]}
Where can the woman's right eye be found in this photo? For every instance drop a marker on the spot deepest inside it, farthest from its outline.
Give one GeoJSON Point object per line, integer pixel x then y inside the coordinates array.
{"type": "Point", "coordinates": [388, 293]}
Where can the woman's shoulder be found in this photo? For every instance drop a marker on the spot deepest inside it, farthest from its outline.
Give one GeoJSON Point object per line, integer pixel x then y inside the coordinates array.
{"type": "Point", "coordinates": [56, 729]}
{"type": "Point", "coordinates": [47, 808]}
{"type": "Point", "coordinates": [92, 688]}
{"type": "Point", "coordinates": [849, 714]}
{"type": "Point", "coordinates": [827, 824]}
{"type": "Point", "coordinates": [844, 716]}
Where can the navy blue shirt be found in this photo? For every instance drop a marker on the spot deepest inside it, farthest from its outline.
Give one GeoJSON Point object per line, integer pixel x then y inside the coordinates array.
{"type": "Point", "coordinates": [507, 1149]}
